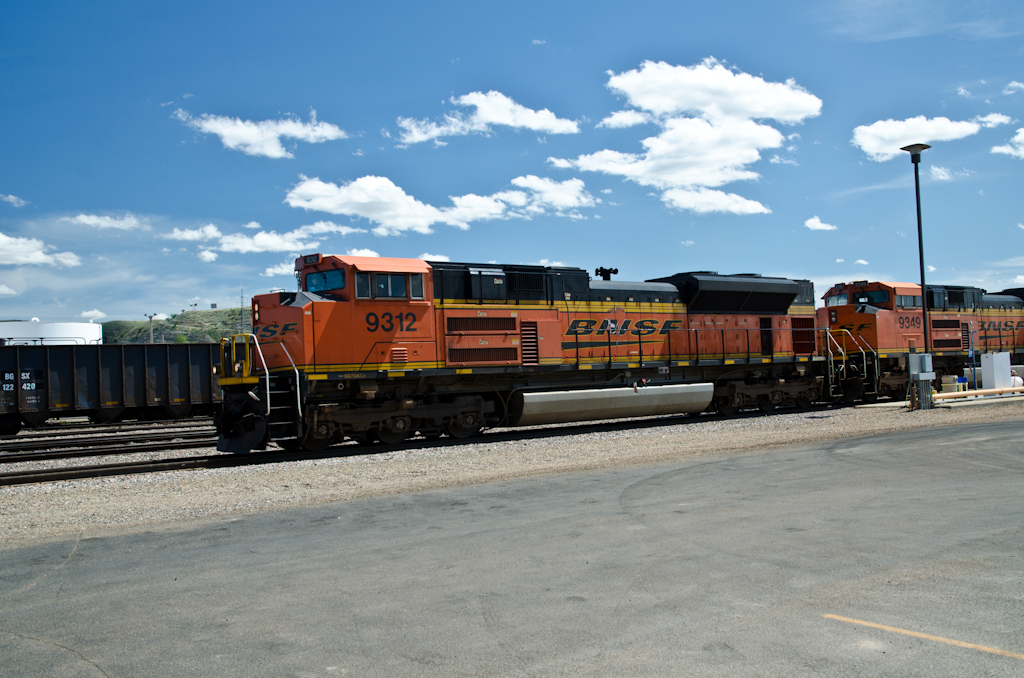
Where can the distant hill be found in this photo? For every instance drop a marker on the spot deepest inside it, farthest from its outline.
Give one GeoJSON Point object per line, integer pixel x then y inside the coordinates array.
{"type": "Point", "coordinates": [189, 327]}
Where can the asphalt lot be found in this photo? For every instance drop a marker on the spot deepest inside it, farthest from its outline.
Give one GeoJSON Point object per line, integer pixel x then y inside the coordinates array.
{"type": "Point", "coordinates": [720, 567]}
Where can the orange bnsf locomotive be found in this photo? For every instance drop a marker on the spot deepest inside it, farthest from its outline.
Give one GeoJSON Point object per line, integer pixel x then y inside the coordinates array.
{"type": "Point", "coordinates": [380, 349]}
{"type": "Point", "coordinates": [885, 321]}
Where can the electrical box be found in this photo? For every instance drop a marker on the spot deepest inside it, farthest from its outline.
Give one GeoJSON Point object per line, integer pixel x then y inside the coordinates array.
{"type": "Point", "coordinates": [995, 370]}
{"type": "Point", "coordinates": [920, 363]}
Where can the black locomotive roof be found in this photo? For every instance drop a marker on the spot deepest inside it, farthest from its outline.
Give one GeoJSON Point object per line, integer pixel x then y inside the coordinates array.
{"type": "Point", "coordinates": [1013, 291]}
{"type": "Point", "coordinates": [709, 292]}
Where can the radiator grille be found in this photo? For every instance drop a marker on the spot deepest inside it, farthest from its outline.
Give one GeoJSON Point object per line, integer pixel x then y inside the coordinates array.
{"type": "Point", "coordinates": [946, 324]}
{"type": "Point", "coordinates": [481, 324]}
{"type": "Point", "coordinates": [965, 335]}
{"type": "Point", "coordinates": [399, 355]}
{"type": "Point", "coordinates": [803, 335]}
{"type": "Point", "coordinates": [529, 345]}
{"type": "Point", "coordinates": [946, 343]}
{"type": "Point", "coordinates": [482, 355]}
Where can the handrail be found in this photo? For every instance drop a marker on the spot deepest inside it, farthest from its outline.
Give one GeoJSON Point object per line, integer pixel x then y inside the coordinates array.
{"type": "Point", "coordinates": [262, 359]}
{"type": "Point", "coordinates": [863, 355]}
{"type": "Point", "coordinates": [298, 398]}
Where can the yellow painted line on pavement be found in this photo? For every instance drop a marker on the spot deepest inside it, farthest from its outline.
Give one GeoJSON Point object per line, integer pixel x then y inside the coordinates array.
{"type": "Point", "coordinates": [950, 641]}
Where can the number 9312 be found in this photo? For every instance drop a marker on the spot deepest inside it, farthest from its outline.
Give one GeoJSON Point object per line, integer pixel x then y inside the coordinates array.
{"type": "Point", "coordinates": [386, 322]}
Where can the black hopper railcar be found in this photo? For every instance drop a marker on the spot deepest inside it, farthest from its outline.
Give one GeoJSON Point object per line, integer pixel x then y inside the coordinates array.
{"type": "Point", "coordinates": [106, 383]}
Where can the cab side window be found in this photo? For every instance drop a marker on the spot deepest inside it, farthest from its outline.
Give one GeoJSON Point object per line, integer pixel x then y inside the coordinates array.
{"type": "Point", "coordinates": [389, 285]}
{"type": "Point", "coordinates": [362, 285]}
{"type": "Point", "coordinates": [415, 285]}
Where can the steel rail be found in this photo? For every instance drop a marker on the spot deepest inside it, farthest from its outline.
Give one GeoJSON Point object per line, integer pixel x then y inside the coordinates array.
{"type": "Point", "coordinates": [77, 429]}
{"type": "Point", "coordinates": [19, 457]}
{"type": "Point", "coordinates": [100, 441]}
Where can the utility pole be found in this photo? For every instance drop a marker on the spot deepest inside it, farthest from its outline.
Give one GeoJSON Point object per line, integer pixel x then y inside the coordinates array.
{"type": "Point", "coordinates": [150, 316]}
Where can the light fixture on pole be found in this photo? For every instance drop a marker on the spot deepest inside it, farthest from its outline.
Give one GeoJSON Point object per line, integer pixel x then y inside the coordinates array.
{"type": "Point", "coordinates": [915, 157]}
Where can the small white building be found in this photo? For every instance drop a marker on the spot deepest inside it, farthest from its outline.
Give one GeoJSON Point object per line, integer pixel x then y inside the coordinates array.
{"type": "Point", "coordinates": [33, 332]}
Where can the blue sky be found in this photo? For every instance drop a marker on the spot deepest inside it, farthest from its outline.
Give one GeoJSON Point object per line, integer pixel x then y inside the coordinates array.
{"type": "Point", "coordinates": [157, 155]}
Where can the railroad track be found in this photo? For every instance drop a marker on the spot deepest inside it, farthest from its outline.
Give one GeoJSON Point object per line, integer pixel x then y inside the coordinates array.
{"type": "Point", "coordinates": [348, 448]}
{"type": "Point", "coordinates": [116, 441]}
{"type": "Point", "coordinates": [56, 430]}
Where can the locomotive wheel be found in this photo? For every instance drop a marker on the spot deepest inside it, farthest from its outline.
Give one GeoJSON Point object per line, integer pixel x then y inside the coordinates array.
{"type": "Point", "coordinates": [725, 406]}
{"type": "Point", "coordinates": [465, 426]}
{"type": "Point", "coordinates": [802, 403]}
{"type": "Point", "coordinates": [765, 404]}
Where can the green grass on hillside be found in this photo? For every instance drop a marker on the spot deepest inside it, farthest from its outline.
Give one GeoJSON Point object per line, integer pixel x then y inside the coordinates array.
{"type": "Point", "coordinates": [188, 327]}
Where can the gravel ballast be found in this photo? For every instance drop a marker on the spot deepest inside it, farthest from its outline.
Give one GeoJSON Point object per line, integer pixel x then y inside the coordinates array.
{"type": "Point", "coordinates": [174, 500]}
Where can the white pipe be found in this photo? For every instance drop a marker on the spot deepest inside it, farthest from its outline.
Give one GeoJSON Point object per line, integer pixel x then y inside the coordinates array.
{"type": "Point", "coordinates": [979, 392]}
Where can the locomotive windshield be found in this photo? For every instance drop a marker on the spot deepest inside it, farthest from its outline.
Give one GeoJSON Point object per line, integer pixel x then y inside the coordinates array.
{"type": "Point", "coordinates": [325, 280]}
{"type": "Point", "coordinates": [836, 300]}
{"type": "Point", "coordinates": [873, 297]}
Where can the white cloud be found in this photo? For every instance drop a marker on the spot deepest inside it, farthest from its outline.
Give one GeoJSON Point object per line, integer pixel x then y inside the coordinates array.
{"type": "Point", "coordinates": [125, 223]}
{"type": "Point", "coordinates": [13, 200]}
{"type": "Point", "coordinates": [302, 238]}
{"type": "Point", "coordinates": [779, 160]}
{"type": "Point", "coordinates": [839, 261]}
{"type": "Point", "coordinates": [535, 41]}
{"type": "Point", "coordinates": [620, 119]}
{"type": "Point", "coordinates": [161, 316]}
{"type": "Point", "coordinates": [816, 224]}
{"type": "Point", "coordinates": [434, 257]}
{"type": "Point", "coordinates": [262, 138]}
{"type": "Point", "coordinates": [707, 201]}
{"type": "Point", "coordinates": [255, 225]}
{"type": "Point", "coordinates": [94, 314]}
{"type": "Point", "coordinates": [714, 92]}
{"type": "Point", "coordinates": [1020, 226]}
{"type": "Point", "coordinates": [708, 131]}
{"type": "Point", "coordinates": [992, 120]}
{"type": "Point", "coordinates": [6, 291]}
{"type": "Point", "coordinates": [379, 200]}
{"type": "Point", "coordinates": [27, 251]}
{"type": "Point", "coordinates": [932, 269]}
{"type": "Point", "coordinates": [1014, 86]}
{"type": "Point", "coordinates": [1015, 147]}
{"type": "Point", "coordinates": [490, 109]}
{"type": "Point", "coordinates": [861, 262]}
{"type": "Point", "coordinates": [548, 262]}
{"type": "Point", "coordinates": [883, 140]}
{"type": "Point", "coordinates": [946, 174]}
{"type": "Point", "coordinates": [606, 191]}
{"type": "Point", "coordinates": [207, 256]}
{"type": "Point", "coordinates": [688, 243]}
{"type": "Point", "coordinates": [285, 268]}
{"type": "Point", "coordinates": [361, 253]}
{"type": "Point", "coordinates": [963, 92]}
{"type": "Point", "coordinates": [207, 232]}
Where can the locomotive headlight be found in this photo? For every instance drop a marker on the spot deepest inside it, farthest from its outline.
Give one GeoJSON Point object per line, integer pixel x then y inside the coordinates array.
{"type": "Point", "coordinates": [238, 367]}
{"type": "Point", "coordinates": [216, 370]}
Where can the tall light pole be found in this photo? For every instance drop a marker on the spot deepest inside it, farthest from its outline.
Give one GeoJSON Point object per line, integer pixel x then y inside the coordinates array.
{"type": "Point", "coordinates": [915, 157]}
